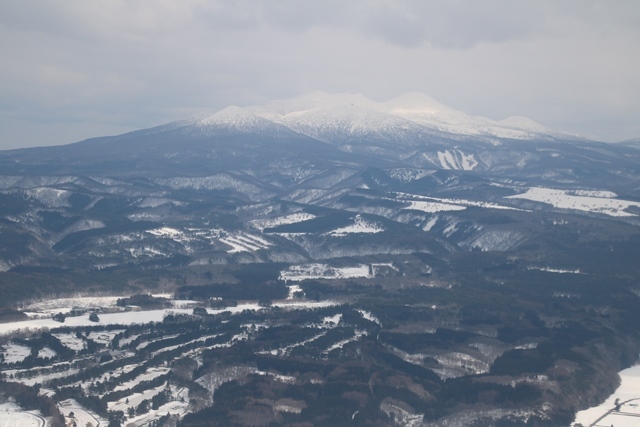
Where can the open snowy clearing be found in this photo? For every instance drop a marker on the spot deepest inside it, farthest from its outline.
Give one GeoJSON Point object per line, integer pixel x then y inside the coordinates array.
{"type": "Point", "coordinates": [565, 199]}
{"type": "Point", "coordinates": [150, 374]}
{"type": "Point", "coordinates": [432, 207]}
{"type": "Point", "coordinates": [14, 353]}
{"type": "Point", "coordinates": [81, 416]}
{"type": "Point", "coordinates": [71, 341]}
{"type": "Point", "coordinates": [261, 224]}
{"type": "Point", "coordinates": [124, 318]}
{"type": "Point", "coordinates": [359, 225]}
{"type": "Point", "coordinates": [104, 337]}
{"type": "Point", "coordinates": [323, 271]}
{"type": "Point", "coordinates": [62, 303]}
{"type": "Point", "coordinates": [20, 419]}
{"type": "Point", "coordinates": [629, 397]}
{"type": "Point", "coordinates": [442, 204]}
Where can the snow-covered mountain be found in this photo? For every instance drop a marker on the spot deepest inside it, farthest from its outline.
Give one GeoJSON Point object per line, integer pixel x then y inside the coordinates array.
{"type": "Point", "coordinates": [331, 116]}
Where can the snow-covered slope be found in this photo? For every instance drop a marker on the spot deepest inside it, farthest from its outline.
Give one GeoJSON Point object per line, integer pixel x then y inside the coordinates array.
{"type": "Point", "coordinates": [319, 115]}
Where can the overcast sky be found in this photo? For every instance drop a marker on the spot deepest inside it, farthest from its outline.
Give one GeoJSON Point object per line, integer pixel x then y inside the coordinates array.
{"type": "Point", "coordinates": [73, 69]}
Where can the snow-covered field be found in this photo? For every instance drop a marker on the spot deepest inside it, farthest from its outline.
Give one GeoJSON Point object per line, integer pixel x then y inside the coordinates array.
{"type": "Point", "coordinates": [238, 241]}
{"type": "Point", "coordinates": [14, 353]}
{"type": "Point", "coordinates": [64, 305]}
{"type": "Point", "coordinates": [150, 374]}
{"type": "Point", "coordinates": [124, 318]}
{"type": "Point", "coordinates": [261, 224]}
{"type": "Point", "coordinates": [601, 202]}
{"type": "Point", "coordinates": [323, 271]}
{"type": "Point", "coordinates": [437, 204]}
{"type": "Point", "coordinates": [628, 396]}
{"type": "Point", "coordinates": [104, 337]}
{"type": "Point", "coordinates": [11, 415]}
{"type": "Point", "coordinates": [432, 207]}
{"type": "Point", "coordinates": [359, 225]}
{"type": "Point", "coordinates": [81, 416]}
{"type": "Point", "coordinates": [71, 341]}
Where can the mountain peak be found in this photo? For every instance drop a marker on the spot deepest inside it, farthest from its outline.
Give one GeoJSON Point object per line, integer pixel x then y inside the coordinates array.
{"type": "Point", "coordinates": [416, 102]}
{"type": "Point", "coordinates": [235, 119]}
{"type": "Point", "coordinates": [313, 101]}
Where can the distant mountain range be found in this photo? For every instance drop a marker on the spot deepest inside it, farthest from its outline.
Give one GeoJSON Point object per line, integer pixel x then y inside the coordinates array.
{"type": "Point", "coordinates": [320, 155]}
{"type": "Point", "coordinates": [485, 273]}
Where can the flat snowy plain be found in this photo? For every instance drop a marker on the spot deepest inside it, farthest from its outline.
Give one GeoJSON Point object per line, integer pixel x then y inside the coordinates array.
{"type": "Point", "coordinates": [629, 397]}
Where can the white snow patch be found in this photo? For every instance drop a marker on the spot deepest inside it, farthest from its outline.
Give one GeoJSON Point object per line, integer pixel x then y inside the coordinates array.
{"type": "Point", "coordinates": [81, 416]}
{"type": "Point", "coordinates": [369, 316]}
{"type": "Point", "coordinates": [628, 394]}
{"type": "Point", "coordinates": [150, 374]}
{"type": "Point", "coordinates": [457, 160]}
{"type": "Point", "coordinates": [323, 271]}
{"type": "Point", "coordinates": [332, 320]}
{"type": "Point", "coordinates": [555, 270]}
{"type": "Point", "coordinates": [261, 224]}
{"type": "Point", "coordinates": [11, 415]}
{"type": "Point", "coordinates": [431, 207]}
{"type": "Point", "coordinates": [71, 341]}
{"type": "Point", "coordinates": [15, 353]}
{"type": "Point", "coordinates": [359, 225]}
{"type": "Point", "coordinates": [564, 199]}
{"type": "Point", "coordinates": [47, 352]}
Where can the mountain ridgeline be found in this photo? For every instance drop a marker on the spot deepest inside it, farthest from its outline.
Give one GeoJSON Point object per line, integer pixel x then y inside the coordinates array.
{"type": "Point", "coordinates": [498, 258]}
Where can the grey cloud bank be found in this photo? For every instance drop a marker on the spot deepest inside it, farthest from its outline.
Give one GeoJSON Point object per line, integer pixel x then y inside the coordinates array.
{"type": "Point", "coordinates": [74, 69]}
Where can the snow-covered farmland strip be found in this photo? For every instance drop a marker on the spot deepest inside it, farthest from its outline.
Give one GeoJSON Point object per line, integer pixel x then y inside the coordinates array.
{"type": "Point", "coordinates": [456, 364]}
{"type": "Point", "coordinates": [244, 243]}
{"type": "Point", "coordinates": [448, 202]}
{"type": "Point", "coordinates": [150, 374]}
{"type": "Point", "coordinates": [323, 271]}
{"type": "Point", "coordinates": [261, 224]}
{"type": "Point", "coordinates": [432, 207]}
{"type": "Point", "coordinates": [173, 347]}
{"type": "Point", "coordinates": [133, 400]}
{"type": "Point", "coordinates": [150, 316]}
{"type": "Point", "coordinates": [146, 343]}
{"type": "Point", "coordinates": [44, 378]}
{"type": "Point", "coordinates": [565, 199]}
{"type": "Point", "coordinates": [168, 233]}
{"type": "Point", "coordinates": [110, 375]}
{"type": "Point", "coordinates": [356, 336]}
{"type": "Point", "coordinates": [125, 318]}
{"type": "Point", "coordinates": [62, 303]}
{"type": "Point", "coordinates": [178, 405]}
